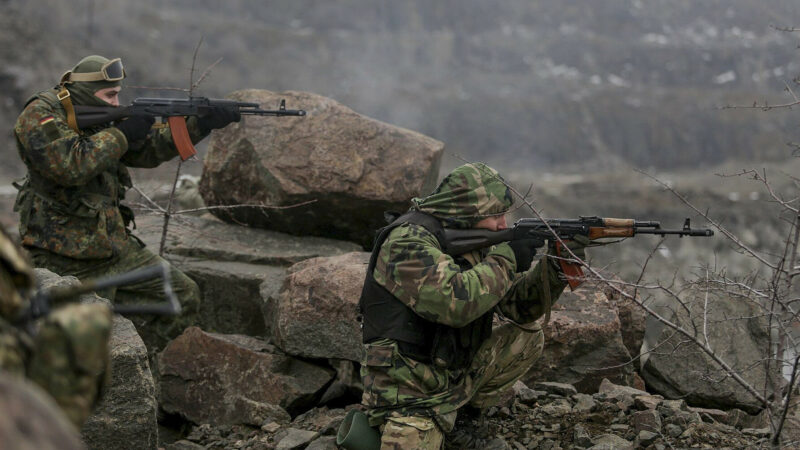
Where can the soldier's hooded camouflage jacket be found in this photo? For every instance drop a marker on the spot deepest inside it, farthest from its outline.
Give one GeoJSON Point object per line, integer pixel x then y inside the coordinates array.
{"type": "Point", "coordinates": [70, 201]}
{"type": "Point", "coordinates": [412, 267]}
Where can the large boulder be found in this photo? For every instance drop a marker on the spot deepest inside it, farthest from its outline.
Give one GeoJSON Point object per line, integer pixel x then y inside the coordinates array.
{"type": "Point", "coordinates": [239, 270]}
{"type": "Point", "coordinates": [211, 239]}
{"type": "Point", "coordinates": [632, 317]}
{"type": "Point", "coordinates": [735, 329]}
{"type": "Point", "coordinates": [315, 315]}
{"type": "Point", "coordinates": [125, 418]}
{"type": "Point", "coordinates": [352, 167]}
{"type": "Point", "coordinates": [232, 296]}
{"type": "Point", "coordinates": [235, 379]}
{"type": "Point", "coordinates": [583, 343]}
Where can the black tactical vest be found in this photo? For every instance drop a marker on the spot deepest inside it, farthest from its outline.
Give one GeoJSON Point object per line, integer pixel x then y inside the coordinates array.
{"type": "Point", "coordinates": [384, 316]}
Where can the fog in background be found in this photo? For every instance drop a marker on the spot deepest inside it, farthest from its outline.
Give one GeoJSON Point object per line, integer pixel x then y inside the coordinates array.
{"type": "Point", "coordinates": [570, 95]}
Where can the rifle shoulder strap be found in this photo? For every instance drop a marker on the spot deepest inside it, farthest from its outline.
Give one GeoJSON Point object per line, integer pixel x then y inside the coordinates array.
{"type": "Point", "coordinates": [66, 102]}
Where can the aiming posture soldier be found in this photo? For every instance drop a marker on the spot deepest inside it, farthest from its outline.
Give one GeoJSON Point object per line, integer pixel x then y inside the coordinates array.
{"type": "Point", "coordinates": [430, 347]}
{"type": "Point", "coordinates": [72, 220]}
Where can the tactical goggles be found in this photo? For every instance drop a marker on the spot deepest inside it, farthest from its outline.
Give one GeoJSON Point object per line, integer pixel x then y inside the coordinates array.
{"type": "Point", "coordinates": [111, 71]}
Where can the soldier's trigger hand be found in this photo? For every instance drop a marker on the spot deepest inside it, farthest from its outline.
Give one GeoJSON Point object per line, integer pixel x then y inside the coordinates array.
{"type": "Point", "coordinates": [135, 128]}
{"type": "Point", "coordinates": [524, 251]}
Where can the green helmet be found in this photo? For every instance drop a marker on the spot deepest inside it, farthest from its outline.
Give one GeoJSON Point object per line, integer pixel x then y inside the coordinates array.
{"type": "Point", "coordinates": [467, 195]}
{"type": "Point", "coordinates": [90, 75]}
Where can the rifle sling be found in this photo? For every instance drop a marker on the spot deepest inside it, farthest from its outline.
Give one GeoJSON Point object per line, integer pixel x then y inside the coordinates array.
{"type": "Point", "coordinates": [66, 102]}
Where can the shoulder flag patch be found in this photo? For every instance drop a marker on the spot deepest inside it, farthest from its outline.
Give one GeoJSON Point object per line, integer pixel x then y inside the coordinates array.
{"type": "Point", "coordinates": [46, 120]}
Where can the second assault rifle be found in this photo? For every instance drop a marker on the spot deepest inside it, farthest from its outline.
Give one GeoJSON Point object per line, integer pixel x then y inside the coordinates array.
{"type": "Point", "coordinates": [43, 301]}
{"type": "Point", "coordinates": [539, 231]}
{"type": "Point", "coordinates": [174, 111]}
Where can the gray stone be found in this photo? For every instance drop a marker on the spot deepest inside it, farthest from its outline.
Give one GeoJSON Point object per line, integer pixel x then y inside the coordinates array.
{"type": "Point", "coordinates": [711, 415]}
{"type": "Point", "coordinates": [562, 389]}
{"type": "Point", "coordinates": [323, 443]}
{"type": "Point", "coordinates": [232, 298]}
{"type": "Point", "coordinates": [673, 430]}
{"type": "Point", "coordinates": [610, 442]}
{"type": "Point", "coordinates": [645, 438]}
{"type": "Point", "coordinates": [497, 443]}
{"type": "Point", "coordinates": [648, 420]}
{"type": "Point", "coordinates": [353, 168]}
{"type": "Point", "coordinates": [584, 403]}
{"type": "Point", "coordinates": [756, 432]}
{"type": "Point", "coordinates": [296, 438]}
{"type": "Point", "coordinates": [557, 408]}
{"type": "Point", "coordinates": [617, 392]}
{"type": "Point", "coordinates": [184, 445]}
{"type": "Point", "coordinates": [583, 344]}
{"type": "Point", "coordinates": [216, 240]}
{"type": "Point", "coordinates": [316, 313]}
{"type": "Point", "coordinates": [736, 330]}
{"type": "Point", "coordinates": [229, 379]}
{"type": "Point", "coordinates": [125, 418]}
{"type": "Point", "coordinates": [642, 402]}
{"type": "Point", "coordinates": [581, 436]}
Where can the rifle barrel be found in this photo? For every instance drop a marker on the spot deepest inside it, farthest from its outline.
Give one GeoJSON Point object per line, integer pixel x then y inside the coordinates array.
{"type": "Point", "coordinates": [662, 232]}
{"type": "Point", "coordinates": [273, 112]}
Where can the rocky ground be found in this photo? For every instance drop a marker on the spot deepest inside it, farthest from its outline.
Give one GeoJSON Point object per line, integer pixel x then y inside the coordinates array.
{"type": "Point", "coordinates": [549, 416]}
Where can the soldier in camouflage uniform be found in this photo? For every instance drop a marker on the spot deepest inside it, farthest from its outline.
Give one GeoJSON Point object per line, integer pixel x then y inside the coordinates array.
{"type": "Point", "coordinates": [429, 344]}
{"type": "Point", "coordinates": [68, 356]}
{"type": "Point", "coordinates": [72, 220]}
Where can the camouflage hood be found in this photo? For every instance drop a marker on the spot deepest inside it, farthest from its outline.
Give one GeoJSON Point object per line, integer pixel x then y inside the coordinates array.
{"type": "Point", "coordinates": [467, 195]}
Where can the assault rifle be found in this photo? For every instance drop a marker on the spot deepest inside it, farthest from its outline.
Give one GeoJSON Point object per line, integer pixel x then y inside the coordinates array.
{"type": "Point", "coordinates": [42, 302]}
{"type": "Point", "coordinates": [538, 230]}
{"type": "Point", "coordinates": [174, 111]}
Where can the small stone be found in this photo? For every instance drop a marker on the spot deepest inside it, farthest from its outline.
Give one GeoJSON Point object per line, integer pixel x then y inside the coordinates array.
{"type": "Point", "coordinates": [643, 402]}
{"type": "Point", "coordinates": [584, 403]}
{"type": "Point", "coordinates": [581, 437]}
{"type": "Point", "coordinates": [645, 438]}
{"type": "Point", "coordinates": [491, 412]}
{"type": "Point", "coordinates": [562, 389]}
{"type": "Point", "coordinates": [620, 427]}
{"type": "Point", "coordinates": [296, 438]}
{"type": "Point", "coordinates": [756, 432]}
{"type": "Point", "coordinates": [271, 427]}
{"type": "Point", "coordinates": [673, 430]}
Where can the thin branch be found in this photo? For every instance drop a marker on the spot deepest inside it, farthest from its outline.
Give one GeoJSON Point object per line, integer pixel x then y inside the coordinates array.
{"type": "Point", "coordinates": [206, 73]}
{"type": "Point", "coordinates": [254, 205]}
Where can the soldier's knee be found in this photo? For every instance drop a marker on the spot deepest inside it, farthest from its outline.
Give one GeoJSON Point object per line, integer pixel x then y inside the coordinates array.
{"type": "Point", "coordinates": [411, 432]}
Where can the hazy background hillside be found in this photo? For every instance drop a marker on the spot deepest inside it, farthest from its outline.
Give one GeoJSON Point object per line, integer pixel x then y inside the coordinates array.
{"type": "Point", "coordinates": [559, 87]}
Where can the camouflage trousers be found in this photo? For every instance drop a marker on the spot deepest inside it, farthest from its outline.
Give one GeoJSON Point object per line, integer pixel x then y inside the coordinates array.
{"type": "Point", "coordinates": [499, 363]}
{"type": "Point", "coordinates": [68, 356]}
{"type": "Point", "coordinates": [156, 331]}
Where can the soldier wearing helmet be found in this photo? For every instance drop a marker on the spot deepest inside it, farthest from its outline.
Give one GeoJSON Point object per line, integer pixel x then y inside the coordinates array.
{"type": "Point", "coordinates": [72, 217]}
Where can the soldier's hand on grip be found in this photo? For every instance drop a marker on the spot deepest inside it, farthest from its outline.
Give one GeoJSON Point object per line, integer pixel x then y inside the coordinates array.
{"type": "Point", "coordinates": [135, 128]}
{"type": "Point", "coordinates": [524, 251]}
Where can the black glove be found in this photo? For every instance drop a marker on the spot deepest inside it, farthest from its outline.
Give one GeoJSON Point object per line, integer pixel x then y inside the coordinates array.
{"type": "Point", "coordinates": [218, 118]}
{"type": "Point", "coordinates": [524, 251]}
{"type": "Point", "coordinates": [135, 128]}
